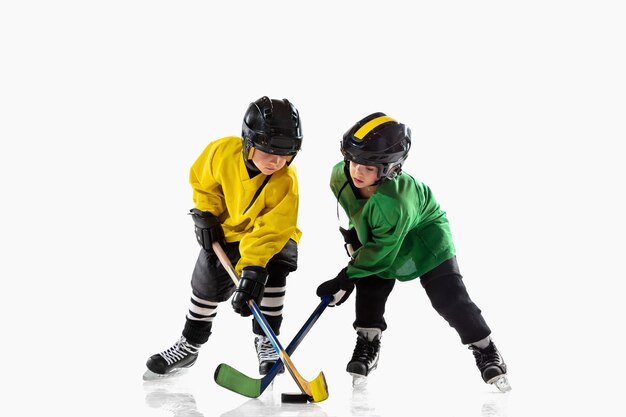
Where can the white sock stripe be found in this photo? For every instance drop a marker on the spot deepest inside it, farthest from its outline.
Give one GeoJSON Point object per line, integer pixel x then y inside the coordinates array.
{"type": "Point", "coordinates": [272, 302]}
{"type": "Point", "coordinates": [272, 313]}
{"type": "Point", "coordinates": [269, 290]}
{"type": "Point", "coordinates": [192, 317]}
{"type": "Point", "coordinates": [202, 311]}
{"type": "Point", "coordinates": [204, 302]}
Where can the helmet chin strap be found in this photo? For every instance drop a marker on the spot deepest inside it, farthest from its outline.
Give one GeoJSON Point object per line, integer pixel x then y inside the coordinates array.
{"type": "Point", "coordinates": [393, 173]}
{"type": "Point", "coordinates": [252, 169]}
{"type": "Point", "coordinates": [339, 195]}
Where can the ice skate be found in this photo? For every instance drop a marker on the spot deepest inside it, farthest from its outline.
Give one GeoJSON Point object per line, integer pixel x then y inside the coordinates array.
{"type": "Point", "coordinates": [491, 366]}
{"type": "Point", "coordinates": [182, 355]}
{"type": "Point", "coordinates": [365, 356]}
{"type": "Point", "coordinates": [267, 354]}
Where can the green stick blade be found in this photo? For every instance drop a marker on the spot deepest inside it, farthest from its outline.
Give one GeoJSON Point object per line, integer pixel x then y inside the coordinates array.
{"type": "Point", "coordinates": [230, 378]}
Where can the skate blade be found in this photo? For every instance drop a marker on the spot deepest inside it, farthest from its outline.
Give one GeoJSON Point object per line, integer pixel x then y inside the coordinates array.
{"type": "Point", "coordinates": [151, 376]}
{"type": "Point", "coordinates": [358, 381]}
{"type": "Point", "coordinates": [501, 382]}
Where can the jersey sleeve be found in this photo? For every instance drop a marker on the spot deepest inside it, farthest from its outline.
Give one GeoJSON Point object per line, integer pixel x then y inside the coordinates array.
{"type": "Point", "coordinates": [207, 192]}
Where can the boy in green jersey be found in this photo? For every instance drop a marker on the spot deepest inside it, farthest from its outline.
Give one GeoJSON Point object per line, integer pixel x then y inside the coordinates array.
{"type": "Point", "coordinates": [245, 194]}
{"type": "Point", "coordinates": [398, 232]}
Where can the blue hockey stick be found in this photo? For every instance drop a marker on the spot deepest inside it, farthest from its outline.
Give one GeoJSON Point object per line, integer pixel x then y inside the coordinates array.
{"type": "Point", "coordinates": [230, 378]}
{"type": "Point", "coordinates": [317, 389]}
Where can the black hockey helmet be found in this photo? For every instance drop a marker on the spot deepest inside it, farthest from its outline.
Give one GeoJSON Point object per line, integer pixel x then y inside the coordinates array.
{"type": "Point", "coordinates": [272, 126]}
{"type": "Point", "coordinates": [378, 140]}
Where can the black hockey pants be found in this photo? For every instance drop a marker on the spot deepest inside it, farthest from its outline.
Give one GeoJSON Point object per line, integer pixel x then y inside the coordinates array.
{"type": "Point", "coordinates": [446, 291]}
{"type": "Point", "coordinates": [211, 282]}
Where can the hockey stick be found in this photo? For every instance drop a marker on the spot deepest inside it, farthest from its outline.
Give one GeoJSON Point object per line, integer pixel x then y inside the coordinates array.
{"type": "Point", "coordinates": [316, 390]}
{"type": "Point", "coordinates": [230, 378]}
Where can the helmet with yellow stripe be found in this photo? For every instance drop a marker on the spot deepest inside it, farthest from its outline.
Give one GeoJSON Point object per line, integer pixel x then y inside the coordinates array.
{"type": "Point", "coordinates": [378, 140]}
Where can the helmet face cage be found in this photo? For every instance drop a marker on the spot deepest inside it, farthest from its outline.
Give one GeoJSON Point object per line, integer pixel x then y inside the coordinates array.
{"type": "Point", "coordinates": [272, 126]}
{"type": "Point", "coordinates": [379, 141]}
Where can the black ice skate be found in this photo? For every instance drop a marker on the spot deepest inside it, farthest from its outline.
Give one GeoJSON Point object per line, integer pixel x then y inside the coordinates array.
{"type": "Point", "coordinates": [182, 355]}
{"type": "Point", "coordinates": [491, 366]}
{"type": "Point", "coordinates": [365, 356]}
{"type": "Point", "coordinates": [266, 353]}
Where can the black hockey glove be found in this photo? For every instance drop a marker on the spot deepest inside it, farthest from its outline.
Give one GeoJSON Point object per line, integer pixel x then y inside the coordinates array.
{"type": "Point", "coordinates": [208, 228]}
{"type": "Point", "coordinates": [251, 287]}
{"type": "Point", "coordinates": [351, 240]}
{"type": "Point", "coordinates": [339, 288]}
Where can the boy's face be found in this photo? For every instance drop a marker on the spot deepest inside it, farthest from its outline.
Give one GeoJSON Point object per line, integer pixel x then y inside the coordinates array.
{"type": "Point", "coordinates": [268, 163]}
{"type": "Point", "coordinates": [363, 175]}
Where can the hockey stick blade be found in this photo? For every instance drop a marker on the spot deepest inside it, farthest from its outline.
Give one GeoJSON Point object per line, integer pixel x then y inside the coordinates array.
{"type": "Point", "coordinates": [230, 378]}
{"type": "Point", "coordinates": [317, 389]}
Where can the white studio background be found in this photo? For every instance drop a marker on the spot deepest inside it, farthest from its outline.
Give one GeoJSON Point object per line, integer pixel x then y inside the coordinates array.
{"type": "Point", "coordinates": [517, 113]}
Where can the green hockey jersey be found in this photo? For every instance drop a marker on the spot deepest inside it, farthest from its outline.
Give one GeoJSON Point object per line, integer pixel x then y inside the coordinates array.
{"type": "Point", "coordinates": [403, 231]}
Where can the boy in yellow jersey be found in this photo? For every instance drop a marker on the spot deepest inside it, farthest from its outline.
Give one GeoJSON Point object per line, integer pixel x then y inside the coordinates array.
{"type": "Point", "coordinates": [245, 192]}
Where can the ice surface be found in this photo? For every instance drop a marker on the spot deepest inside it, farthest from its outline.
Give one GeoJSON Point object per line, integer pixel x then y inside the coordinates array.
{"type": "Point", "coordinates": [517, 113]}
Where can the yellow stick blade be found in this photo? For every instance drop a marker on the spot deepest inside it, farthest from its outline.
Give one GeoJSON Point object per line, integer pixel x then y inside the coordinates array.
{"type": "Point", "coordinates": [319, 388]}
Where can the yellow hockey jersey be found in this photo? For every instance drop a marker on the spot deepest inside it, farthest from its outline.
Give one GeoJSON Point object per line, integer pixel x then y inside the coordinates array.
{"type": "Point", "coordinates": [262, 225]}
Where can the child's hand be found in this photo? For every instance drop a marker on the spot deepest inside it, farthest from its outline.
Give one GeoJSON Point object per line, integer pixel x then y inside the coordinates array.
{"type": "Point", "coordinates": [208, 229]}
{"type": "Point", "coordinates": [351, 240]}
{"type": "Point", "coordinates": [251, 287]}
{"type": "Point", "coordinates": [339, 288]}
